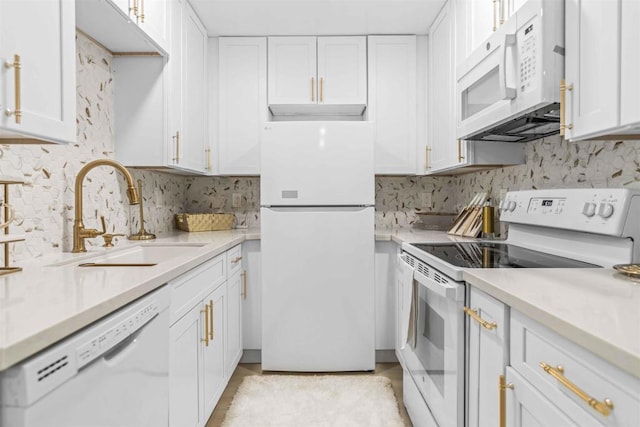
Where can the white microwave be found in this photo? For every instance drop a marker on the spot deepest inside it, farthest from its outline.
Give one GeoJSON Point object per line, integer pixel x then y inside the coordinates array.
{"type": "Point", "coordinates": [509, 87]}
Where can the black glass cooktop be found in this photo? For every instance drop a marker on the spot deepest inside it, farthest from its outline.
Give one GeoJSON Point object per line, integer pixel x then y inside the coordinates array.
{"type": "Point", "coordinates": [497, 255]}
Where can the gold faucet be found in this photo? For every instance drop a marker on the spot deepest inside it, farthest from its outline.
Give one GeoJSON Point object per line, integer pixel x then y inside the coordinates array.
{"type": "Point", "coordinates": [79, 232]}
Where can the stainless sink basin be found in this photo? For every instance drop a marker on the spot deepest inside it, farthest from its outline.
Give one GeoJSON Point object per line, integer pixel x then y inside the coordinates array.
{"type": "Point", "coordinates": [141, 255]}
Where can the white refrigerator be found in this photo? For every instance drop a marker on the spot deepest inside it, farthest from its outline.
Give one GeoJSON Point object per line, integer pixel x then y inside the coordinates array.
{"type": "Point", "coordinates": [317, 238]}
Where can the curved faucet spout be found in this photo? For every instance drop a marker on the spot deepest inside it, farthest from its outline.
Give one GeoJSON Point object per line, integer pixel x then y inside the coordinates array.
{"type": "Point", "coordinates": [79, 232]}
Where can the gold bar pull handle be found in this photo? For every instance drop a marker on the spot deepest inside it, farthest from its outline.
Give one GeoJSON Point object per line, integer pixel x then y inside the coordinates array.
{"type": "Point", "coordinates": [236, 260]}
{"type": "Point", "coordinates": [176, 139]}
{"type": "Point", "coordinates": [244, 284]}
{"type": "Point", "coordinates": [211, 319]}
{"type": "Point", "coordinates": [502, 392]}
{"type": "Point", "coordinates": [460, 156]}
{"type": "Point", "coordinates": [495, 15]}
{"type": "Point", "coordinates": [134, 9]}
{"type": "Point", "coordinates": [474, 315]}
{"type": "Point", "coordinates": [17, 112]}
{"type": "Point", "coordinates": [142, 11]}
{"type": "Point", "coordinates": [208, 151]}
{"type": "Point", "coordinates": [206, 325]}
{"type": "Point", "coordinates": [313, 89]}
{"type": "Point", "coordinates": [502, 6]}
{"type": "Point", "coordinates": [563, 106]}
{"type": "Point", "coordinates": [604, 407]}
{"type": "Point", "coordinates": [321, 89]}
{"type": "Point", "coordinates": [426, 158]}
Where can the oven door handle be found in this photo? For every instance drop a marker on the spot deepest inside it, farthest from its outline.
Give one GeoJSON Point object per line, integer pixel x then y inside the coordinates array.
{"type": "Point", "coordinates": [445, 290]}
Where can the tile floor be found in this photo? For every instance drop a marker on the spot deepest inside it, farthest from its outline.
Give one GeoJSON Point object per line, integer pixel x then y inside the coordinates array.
{"type": "Point", "coordinates": [393, 371]}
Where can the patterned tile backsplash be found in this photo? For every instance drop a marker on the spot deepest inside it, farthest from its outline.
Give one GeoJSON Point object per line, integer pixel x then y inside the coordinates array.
{"type": "Point", "coordinates": [44, 204]}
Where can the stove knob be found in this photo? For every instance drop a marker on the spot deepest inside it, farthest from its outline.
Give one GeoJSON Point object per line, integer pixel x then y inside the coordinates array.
{"type": "Point", "coordinates": [511, 206]}
{"type": "Point", "coordinates": [605, 210]}
{"type": "Point", "coordinates": [589, 209]}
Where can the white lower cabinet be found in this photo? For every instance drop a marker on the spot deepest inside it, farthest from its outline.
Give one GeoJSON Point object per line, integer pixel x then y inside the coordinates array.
{"type": "Point", "coordinates": [233, 350]}
{"type": "Point", "coordinates": [252, 296]}
{"type": "Point", "coordinates": [553, 381]}
{"type": "Point", "coordinates": [527, 407]}
{"type": "Point", "coordinates": [184, 369]}
{"type": "Point", "coordinates": [205, 339]}
{"type": "Point", "coordinates": [487, 357]}
{"type": "Point", "coordinates": [213, 372]}
{"type": "Point", "coordinates": [386, 259]}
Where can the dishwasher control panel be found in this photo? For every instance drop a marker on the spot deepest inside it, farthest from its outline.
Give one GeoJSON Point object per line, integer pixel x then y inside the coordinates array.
{"type": "Point", "coordinates": [97, 345]}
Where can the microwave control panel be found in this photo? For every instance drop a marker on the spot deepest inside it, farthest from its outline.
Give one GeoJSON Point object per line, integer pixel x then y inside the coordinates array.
{"type": "Point", "coordinates": [527, 41]}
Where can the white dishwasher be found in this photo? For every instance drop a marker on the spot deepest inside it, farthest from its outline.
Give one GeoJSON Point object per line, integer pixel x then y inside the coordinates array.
{"type": "Point", "coordinates": [113, 373]}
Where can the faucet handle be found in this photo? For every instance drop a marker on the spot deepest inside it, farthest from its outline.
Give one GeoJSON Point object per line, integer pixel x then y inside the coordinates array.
{"type": "Point", "coordinates": [108, 239]}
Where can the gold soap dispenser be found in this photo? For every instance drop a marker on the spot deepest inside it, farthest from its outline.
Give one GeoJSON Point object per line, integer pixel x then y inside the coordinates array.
{"type": "Point", "coordinates": [142, 234]}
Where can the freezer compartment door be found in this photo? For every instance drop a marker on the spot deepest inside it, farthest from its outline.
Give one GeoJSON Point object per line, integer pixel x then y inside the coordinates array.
{"type": "Point", "coordinates": [318, 289]}
{"type": "Point", "coordinates": [317, 164]}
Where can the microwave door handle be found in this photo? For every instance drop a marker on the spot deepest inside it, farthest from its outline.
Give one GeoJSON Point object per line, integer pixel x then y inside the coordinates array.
{"type": "Point", "coordinates": [508, 92]}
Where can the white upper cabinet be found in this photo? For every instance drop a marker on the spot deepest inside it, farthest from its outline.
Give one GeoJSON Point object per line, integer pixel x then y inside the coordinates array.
{"type": "Point", "coordinates": [392, 102]}
{"type": "Point", "coordinates": [292, 70]}
{"type": "Point", "coordinates": [441, 151]}
{"type": "Point", "coordinates": [342, 70]}
{"type": "Point", "coordinates": [445, 153]}
{"type": "Point", "coordinates": [154, 21]}
{"type": "Point", "coordinates": [38, 88]}
{"type": "Point", "coordinates": [630, 63]}
{"type": "Point", "coordinates": [477, 20]}
{"type": "Point", "coordinates": [161, 103]}
{"type": "Point", "coordinates": [127, 26]}
{"type": "Point", "coordinates": [602, 96]}
{"type": "Point", "coordinates": [193, 145]}
{"type": "Point", "coordinates": [317, 71]}
{"type": "Point", "coordinates": [242, 90]}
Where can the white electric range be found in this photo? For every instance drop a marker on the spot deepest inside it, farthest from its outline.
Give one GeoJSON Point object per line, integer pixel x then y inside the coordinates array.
{"type": "Point", "coordinates": [558, 228]}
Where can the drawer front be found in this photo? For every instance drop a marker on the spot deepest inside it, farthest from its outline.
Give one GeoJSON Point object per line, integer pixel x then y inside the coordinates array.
{"type": "Point", "coordinates": [189, 289]}
{"type": "Point", "coordinates": [234, 260]}
{"type": "Point", "coordinates": [582, 371]}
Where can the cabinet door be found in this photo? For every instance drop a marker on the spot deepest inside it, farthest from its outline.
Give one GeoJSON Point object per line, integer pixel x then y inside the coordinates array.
{"type": "Point", "coordinates": [386, 264]}
{"type": "Point", "coordinates": [292, 70]}
{"type": "Point", "coordinates": [442, 143]}
{"type": "Point", "coordinates": [43, 86]}
{"type": "Point", "coordinates": [175, 70]}
{"type": "Point", "coordinates": [629, 62]}
{"type": "Point", "coordinates": [592, 66]}
{"type": "Point", "coordinates": [243, 103]}
{"type": "Point", "coordinates": [526, 407]}
{"type": "Point", "coordinates": [392, 102]}
{"type": "Point", "coordinates": [476, 21]}
{"type": "Point", "coordinates": [154, 20]}
{"type": "Point", "coordinates": [212, 374]}
{"type": "Point", "coordinates": [342, 70]}
{"type": "Point", "coordinates": [185, 366]}
{"type": "Point", "coordinates": [233, 346]}
{"type": "Point", "coordinates": [252, 298]}
{"type": "Point", "coordinates": [193, 141]}
{"type": "Point", "coordinates": [486, 359]}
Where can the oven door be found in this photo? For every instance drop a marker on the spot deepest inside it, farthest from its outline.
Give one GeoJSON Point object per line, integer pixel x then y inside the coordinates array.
{"type": "Point", "coordinates": [486, 84]}
{"type": "Point", "coordinates": [436, 363]}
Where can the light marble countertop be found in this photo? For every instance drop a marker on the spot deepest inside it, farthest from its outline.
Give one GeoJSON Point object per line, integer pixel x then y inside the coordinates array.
{"type": "Point", "coordinates": [598, 309]}
{"type": "Point", "coordinates": [41, 305]}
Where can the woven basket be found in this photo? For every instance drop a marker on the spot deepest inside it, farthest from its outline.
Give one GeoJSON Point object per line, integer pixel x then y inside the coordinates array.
{"type": "Point", "coordinates": [204, 221]}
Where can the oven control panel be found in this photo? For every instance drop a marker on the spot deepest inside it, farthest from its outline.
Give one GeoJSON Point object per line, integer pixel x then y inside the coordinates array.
{"type": "Point", "coordinates": [610, 211]}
